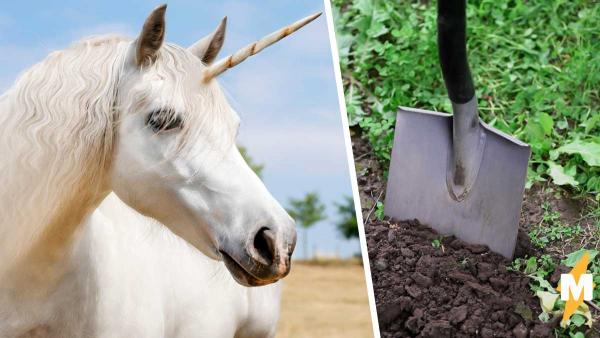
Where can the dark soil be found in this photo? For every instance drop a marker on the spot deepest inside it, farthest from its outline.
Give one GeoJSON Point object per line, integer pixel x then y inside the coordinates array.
{"type": "Point", "coordinates": [427, 285]}
{"type": "Point", "coordinates": [450, 290]}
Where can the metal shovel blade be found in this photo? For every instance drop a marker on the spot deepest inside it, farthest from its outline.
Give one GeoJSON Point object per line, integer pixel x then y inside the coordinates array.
{"type": "Point", "coordinates": [418, 185]}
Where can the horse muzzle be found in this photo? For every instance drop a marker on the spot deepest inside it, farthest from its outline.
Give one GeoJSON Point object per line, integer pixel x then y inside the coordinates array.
{"type": "Point", "coordinates": [265, 259]}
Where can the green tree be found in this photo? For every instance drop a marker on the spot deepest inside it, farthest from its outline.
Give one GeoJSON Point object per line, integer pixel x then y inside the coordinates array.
{"type": "Point", "coordinates": [307, 212]}
{"type": "Point", "coordinates": [257, 167]}
{"type": "Point", "coordinates": [347, 224]}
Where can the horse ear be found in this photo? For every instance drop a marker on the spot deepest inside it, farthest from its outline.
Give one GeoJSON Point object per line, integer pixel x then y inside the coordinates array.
{"type": "Point", "coordinates": [151, 37]}
{"type": "Point", "coordinates": [207, 48]}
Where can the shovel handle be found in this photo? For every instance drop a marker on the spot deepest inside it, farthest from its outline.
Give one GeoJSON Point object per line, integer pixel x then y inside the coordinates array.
{"type": "Point", "coordinates": [452, 44]}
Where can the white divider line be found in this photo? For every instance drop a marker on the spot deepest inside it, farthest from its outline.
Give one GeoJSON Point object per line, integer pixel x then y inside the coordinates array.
{"type": "Point", "coordinates": [350, 157]}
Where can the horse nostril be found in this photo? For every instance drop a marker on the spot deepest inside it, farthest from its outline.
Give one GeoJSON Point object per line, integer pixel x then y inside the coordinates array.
{"type": "Point", "coordinates": [264, 244]}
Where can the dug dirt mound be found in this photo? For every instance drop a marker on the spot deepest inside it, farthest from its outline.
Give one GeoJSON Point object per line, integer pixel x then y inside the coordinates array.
{"type": "Point", "coordinates": [432, 286]}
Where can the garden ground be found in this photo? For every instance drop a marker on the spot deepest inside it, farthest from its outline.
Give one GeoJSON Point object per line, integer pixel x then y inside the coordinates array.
{"type": "Point", "coordinates": [429, 285]}
{"type": "Point", "coordinates": [535, 79]}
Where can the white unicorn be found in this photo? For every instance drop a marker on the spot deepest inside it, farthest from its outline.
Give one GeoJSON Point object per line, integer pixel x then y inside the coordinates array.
{"type": "Point", "coordinates": [147, 121]}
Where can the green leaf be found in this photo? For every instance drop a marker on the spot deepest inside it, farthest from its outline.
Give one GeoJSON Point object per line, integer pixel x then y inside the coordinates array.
{"type": "Point", "coordinates": [531, 265]}
{"type": "Point", "coordinates": [546, 122]}
{"type": "Point", "coordinates": [584, 310]}
{"type": "Point", "coordinates": [544, 284]}
{"type": "Point", "coordinates": [344, 42]}
{"type": "Point", "coordinates": [589, 151]}
{"type": "Point", "coordinates": [562, 124]}
{"type": "Point", "coordinates": [577, 320]}
{"type": "Point", "coordinates": [379, 211]}
{"type": "Point", "coordinates": [591, 123]}
{"type": "Point", "coordinates": [575, 256]}
{"type": "Point", "coordinates": [559, 175]}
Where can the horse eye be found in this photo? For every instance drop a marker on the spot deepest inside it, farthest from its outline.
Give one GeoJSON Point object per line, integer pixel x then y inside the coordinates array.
{"type": "Point", "coordinates": [163, 120]}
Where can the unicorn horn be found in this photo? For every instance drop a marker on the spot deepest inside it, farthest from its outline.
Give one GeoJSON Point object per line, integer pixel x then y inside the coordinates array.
{"type": "Point", "coordinates": [252, 49]}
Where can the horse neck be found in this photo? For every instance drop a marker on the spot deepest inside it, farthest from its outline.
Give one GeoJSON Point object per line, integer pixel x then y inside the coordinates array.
{"type": "Point", "coordinates": [49, 188]}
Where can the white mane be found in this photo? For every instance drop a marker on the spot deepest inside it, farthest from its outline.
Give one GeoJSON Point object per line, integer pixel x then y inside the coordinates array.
{"type": "Point", "coordinates": [57, 135]}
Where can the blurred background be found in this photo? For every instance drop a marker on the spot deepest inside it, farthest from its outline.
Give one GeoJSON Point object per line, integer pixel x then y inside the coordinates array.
{"type": "Point", "coordinates": [291, 130]}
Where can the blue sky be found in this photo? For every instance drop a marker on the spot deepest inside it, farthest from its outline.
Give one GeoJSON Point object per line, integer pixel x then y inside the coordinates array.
{"type": "Point", "coordinates": [286, 95]}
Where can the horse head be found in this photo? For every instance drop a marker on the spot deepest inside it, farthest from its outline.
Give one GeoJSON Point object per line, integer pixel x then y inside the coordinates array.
{"type": "Point", "coordinates": [176, 160]}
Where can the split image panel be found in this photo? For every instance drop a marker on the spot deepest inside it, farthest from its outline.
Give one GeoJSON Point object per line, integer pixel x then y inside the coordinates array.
{"type": "Point", "coordinates": [174, 170]}
{"type": "Point", "coordinates": [345, 168]}
{"type": "Point", "coordinates": [471, 218]}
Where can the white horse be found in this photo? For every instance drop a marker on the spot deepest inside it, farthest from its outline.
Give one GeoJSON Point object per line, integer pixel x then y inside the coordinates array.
{"type": "Point", "coordinates": [145, 120]}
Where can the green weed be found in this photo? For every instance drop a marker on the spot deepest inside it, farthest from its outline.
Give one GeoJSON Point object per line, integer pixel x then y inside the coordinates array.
{"type": "Point", "coordinates": [552, 229]}
{"type": "Point", "coordinates": [539, 271]}
{"type": "Point", "coordinates": [536, 79]}
{"type": "Point", "coordinates": [379, 211]}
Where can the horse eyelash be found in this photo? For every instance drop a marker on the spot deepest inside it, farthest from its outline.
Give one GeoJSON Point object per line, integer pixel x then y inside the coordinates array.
{"type": "Point", "coordinates": [163, 120]}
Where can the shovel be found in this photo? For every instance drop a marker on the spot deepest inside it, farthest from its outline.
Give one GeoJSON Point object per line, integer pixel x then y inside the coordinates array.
{"type": "Point", "coordinates": [455, 173]}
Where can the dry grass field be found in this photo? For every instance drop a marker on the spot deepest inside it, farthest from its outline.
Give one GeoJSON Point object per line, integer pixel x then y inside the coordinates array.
{"type": "Point", "coordinates": [325, 300]}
